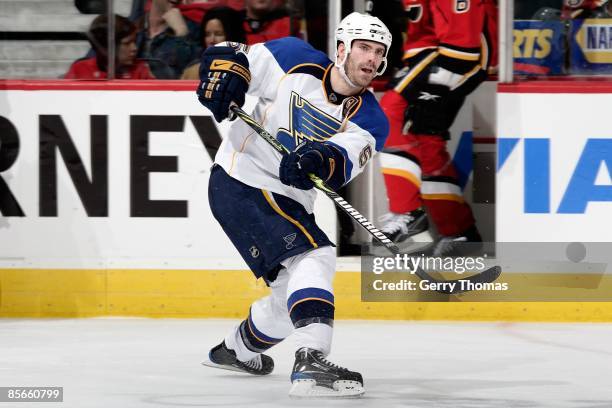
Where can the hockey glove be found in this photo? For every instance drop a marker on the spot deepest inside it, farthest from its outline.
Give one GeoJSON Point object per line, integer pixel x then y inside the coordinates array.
{"type": "Point", "coordinates": [224, 78]}
{"type": "Point", "coordinates": [312, 158]}
{"type": "Point", "coordinates": [431, 112]}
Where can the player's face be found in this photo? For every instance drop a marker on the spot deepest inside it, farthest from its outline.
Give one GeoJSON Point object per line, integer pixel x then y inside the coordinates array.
{"type": "Point", "coordinates": [363, 61]}
{"type": "Point", "coordinates": [213, 32]}
{"type": "Point", "coordinates": [126, 54]}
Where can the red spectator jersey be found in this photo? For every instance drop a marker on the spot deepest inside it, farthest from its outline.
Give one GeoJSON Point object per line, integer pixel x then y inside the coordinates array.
{"type": "Point", "coordinates": [276, 25]}
{"type": "Point", "coordinates": [89, 69]}
{"type": "Point", "coordinates": [453, 27]}
{"type": "Point", "coordinates": [578, 8]}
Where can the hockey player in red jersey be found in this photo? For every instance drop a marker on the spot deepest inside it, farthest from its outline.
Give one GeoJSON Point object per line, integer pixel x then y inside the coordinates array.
{"type": "Point", "coordinates": [447, 53]}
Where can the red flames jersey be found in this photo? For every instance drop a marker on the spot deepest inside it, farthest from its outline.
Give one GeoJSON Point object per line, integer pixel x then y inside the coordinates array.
{"type": "Point", "coordinates": [89, 69]}
{"type": "Point", "coordinates": [454, 27]}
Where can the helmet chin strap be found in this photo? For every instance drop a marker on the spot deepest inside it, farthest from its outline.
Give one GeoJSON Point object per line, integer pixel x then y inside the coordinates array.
{"type": "Point", "coordinates": [342, 70]}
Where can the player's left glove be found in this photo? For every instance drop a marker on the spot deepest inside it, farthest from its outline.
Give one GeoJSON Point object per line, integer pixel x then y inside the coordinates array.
{"type": "Point", "coordinates": [225, 78]}
{"type": "Point", "coordinates": [312, 158]}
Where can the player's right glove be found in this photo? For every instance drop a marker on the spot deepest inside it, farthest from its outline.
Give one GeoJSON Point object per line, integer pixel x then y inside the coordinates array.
{"type": "Point", "coordinates": [224, 78]}
{"type": "Point", "coordinates": [312, 158]}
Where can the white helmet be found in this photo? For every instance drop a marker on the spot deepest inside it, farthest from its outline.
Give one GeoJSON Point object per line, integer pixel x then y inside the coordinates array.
{"type": "Point", "coordinates": [357, 26]}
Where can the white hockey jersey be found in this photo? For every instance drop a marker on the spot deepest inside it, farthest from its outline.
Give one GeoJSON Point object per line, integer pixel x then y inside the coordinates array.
{"type": "Point", "coordinates": [296, 102]}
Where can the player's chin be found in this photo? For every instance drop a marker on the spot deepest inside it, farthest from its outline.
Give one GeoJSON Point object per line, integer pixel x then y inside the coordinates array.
{"type": "Point", "coordinates": [365, 79]}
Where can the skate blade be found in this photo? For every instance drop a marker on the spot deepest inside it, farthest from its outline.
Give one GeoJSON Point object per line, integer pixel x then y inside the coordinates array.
{"type": "Point", "coordinates": [207, 362]}
{"type": "Point", "coordinates": [342, 389]}
{"type": "Point", "coordinates": [424, 236]}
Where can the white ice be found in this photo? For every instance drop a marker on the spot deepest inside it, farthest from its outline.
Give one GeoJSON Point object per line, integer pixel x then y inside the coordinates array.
{"type": "Point", "coordinates": [156, 363]}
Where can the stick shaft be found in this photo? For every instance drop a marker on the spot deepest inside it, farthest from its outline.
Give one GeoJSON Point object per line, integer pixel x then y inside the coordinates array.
{"type": "Point", "coordinates": [320, 184]}
{"type": "Point", "coordinates": [488, 275]}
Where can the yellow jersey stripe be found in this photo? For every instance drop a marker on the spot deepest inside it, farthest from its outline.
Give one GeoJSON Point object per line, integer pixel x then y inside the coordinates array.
{"type": "Point", "coordinates": [466, 56]}
{"type": "Point", "coordinates": [447, 197]}
{"type": "Point", "coordinates": [414, 72]}
{"type": "Point", "coordinates": [403, 174]}
{"type": "Point", "coordinates": [288, 218]}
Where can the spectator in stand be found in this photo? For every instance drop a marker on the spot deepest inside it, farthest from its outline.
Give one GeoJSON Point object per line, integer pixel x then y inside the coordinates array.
{"type": "Point", "coordinates": [586, 9]}
{"type": "Point", "coordinates": [126, 64]}
{"type": "Point", "coordinates": [164, 35]}
{"type": "Point", "coordinates": [218, 25]}
{"type": "Point", "coordinates": [526, 9]}
{"type": "Point", "coordinates": [191, 10]}
{"type": "Point", "coordinates": [264, 21]}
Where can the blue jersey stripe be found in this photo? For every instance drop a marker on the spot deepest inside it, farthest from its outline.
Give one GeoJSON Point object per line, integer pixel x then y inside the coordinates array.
{"type": "Point", "coordinates": [291, 51]}
{"type": "Point", "coordinates": [372, 119]}
{"type": "Point", "coordinates": [347, 161]}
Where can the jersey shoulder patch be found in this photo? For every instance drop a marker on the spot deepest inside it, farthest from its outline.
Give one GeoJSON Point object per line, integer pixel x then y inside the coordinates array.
{"type": "Point", "coordinates": [291, 52]}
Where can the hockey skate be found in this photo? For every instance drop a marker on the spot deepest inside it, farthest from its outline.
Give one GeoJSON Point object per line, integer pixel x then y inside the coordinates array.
{"type": "Point", "coordinates": [315, 377]}
{"type": "Point", "coordinates": [409, 231]}
{"type": "Point", "coordinates": [465, 244]}
{"type": "Point", "coordinates": [222, 357]}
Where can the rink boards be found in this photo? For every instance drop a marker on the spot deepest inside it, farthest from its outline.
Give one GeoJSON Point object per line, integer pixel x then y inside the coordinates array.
{"type": "Point", "coordinates": [105, 212]}
{"type": "Point", "coordinates": [229, 293]}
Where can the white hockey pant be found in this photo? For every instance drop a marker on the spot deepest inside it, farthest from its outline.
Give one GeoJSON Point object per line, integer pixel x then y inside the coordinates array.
{"type": "Point", "coordinates": [301, 302]}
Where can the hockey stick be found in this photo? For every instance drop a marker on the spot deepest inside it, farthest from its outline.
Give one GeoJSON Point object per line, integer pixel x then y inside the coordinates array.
{"type": "Point", "coordinates": [486, 276]}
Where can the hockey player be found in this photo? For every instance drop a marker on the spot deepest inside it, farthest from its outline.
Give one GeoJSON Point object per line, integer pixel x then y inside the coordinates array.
{"type": "Point", "coordinates": [321, 111]}
{"type": "Point", "coordinates": [447, 53]}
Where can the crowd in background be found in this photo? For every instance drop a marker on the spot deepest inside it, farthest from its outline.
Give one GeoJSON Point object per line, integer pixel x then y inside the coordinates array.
{"type": "Point", "coordinates": [171, 34]}
{"type": "Point", "coordinates": [562, 9]}
{"type": "Point", "coordinates": [166, 38]}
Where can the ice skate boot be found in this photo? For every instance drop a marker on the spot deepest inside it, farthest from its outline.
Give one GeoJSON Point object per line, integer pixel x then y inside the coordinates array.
{"type": "Point", "coordinates": [222, 357]}
{"type": "Point", "coordinates": [466, 243]}
{"type": "Point", "coordinates": [409, 231]}
{"type": "Point", "coordinates": [315, 377]}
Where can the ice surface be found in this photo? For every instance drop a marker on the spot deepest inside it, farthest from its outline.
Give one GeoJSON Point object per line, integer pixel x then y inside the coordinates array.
{"type": "Point", "coordinates": [115, 362]}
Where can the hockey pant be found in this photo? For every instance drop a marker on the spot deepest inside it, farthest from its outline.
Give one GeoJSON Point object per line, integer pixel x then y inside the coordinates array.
{"type": "Point", "coordinates": [419, 172]}
{"type": "Point", "coordinates": [301, 303]}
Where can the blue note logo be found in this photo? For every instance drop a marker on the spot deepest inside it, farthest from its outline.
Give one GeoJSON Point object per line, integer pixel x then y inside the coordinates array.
{"type": "Point", "coordinates": [289, 239]}
{"type": "Point", "coordinates": [306, 122]}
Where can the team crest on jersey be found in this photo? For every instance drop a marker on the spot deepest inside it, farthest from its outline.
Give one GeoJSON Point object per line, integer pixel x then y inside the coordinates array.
{"type": "Point", "coordinates": [414, 12]}
{"type": "Point", "coordinates": [306, 122]}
